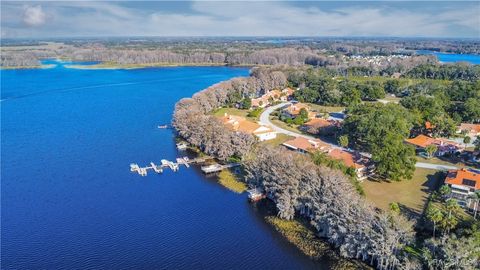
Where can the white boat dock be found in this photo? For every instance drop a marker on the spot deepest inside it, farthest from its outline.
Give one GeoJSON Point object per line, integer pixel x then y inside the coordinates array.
{"type": "Point", "coordinates": [174, 166]}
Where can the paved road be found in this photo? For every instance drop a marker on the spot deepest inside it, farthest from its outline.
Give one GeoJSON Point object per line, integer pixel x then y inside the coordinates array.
{"type": "Point", "coordinates": [435, 166]}
{"type": "Point", "coordinates": [265, 120]}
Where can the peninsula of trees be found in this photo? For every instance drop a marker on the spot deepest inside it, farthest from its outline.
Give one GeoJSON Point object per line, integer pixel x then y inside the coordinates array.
{"type": "Point", "coordinates": [302, 185]}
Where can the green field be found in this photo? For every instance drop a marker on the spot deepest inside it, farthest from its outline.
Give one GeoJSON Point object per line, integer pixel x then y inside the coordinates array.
{"type": "Point", "coordinates": [328, 109]}
{"type": "Point", "coordinates": [231, 111]}
{"type": "Point", "coordinates": [411, 195]}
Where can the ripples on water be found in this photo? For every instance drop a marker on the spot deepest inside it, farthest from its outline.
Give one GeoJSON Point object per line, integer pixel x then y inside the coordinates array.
{"type": "Point", "coordinates": [69, 200]}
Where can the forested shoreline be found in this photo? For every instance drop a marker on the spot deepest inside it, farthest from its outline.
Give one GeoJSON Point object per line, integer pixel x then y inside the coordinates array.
{"type": "Point", "coordinates": [299, 185]}
{"type": "Point", "coordinates": [295, 183]}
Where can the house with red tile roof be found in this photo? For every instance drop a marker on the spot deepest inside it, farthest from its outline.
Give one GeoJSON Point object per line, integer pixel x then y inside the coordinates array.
{"type": "Point", "coordinates": [472, 130]}
{"type": "Point", "coordinates": [320, 126]}
{"type": "Point", "coordinates": [240, 124]}
{"type": "Point", "coordinates": [463, 183]}
{"type": "Point", "coordinates": [353, 160]}
{"type": "Point", "coordinates": [304, 145]}
{"type": "Point", "coordinates": [294, 109]}
{"type": "Point", "coordinates": [444, 146]}
{"type": "Point", "coordinates": [272, 96]}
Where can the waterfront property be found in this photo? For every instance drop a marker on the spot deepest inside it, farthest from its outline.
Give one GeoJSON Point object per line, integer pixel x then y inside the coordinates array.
{"type": "Point", "coordinates": [463, 183]}
{"type": "Point", "coordinates": [240, 124]}
{"type": "Point", "coordinates": [304, 145]}
{"type": "Point", "coordinates": [444, 146]}
{"type": "Point", "coordinates": [361, 164]}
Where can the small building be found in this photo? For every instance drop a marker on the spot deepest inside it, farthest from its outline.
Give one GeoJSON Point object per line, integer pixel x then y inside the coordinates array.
{"type": "Point", "coordinates": [463, 183]}
{"type": "Point", "coordinates": [240, 124]}
{"type": "Point", "coordinates": [304, 145]}
{"type": "Point", "coordinates": [444, 146]}
{"type": "Point", "coordinates": [353, 160]}
{"type": "Point", "coordinates": [471, 130]}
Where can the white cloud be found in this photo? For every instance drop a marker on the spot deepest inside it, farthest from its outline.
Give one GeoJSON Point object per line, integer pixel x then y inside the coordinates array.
{"type": "Point", "coordinates": [34, 16]}
{"type": "Point", "coordinates": [238, 19]}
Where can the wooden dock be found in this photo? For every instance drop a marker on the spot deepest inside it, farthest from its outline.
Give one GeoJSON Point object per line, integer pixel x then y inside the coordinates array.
{"type": "Point", "coordinates": [166, 164]}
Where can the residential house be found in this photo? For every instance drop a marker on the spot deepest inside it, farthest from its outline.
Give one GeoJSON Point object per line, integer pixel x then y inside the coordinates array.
{"type": "Point", "coordinates": [240, 124]}
{"type": "Point", "coordinates": [360, 163]}
{"type": "Point", "coordinates": [463, 183]}
{"type": "Point", "coordinates": [287, 93]}
{"type": "Point", "coordinates": [293, 110]}
{"type": "Point", "coordinates": [444, 146]}
{"type": "Point", "coordinates": [304, 145]}
{"type": "Point", "coordinates": [355, 160]}
{"type": "Point", "coordinates": [270, 97]}
{"type": "Point", "coordinates": [320, 126]}
{"type": "Point", "coordinates": [471, 130]}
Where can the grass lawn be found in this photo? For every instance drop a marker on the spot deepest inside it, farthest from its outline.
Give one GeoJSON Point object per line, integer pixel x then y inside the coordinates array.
{"type": "Point", "coordinates": [411, 195]}
{"type": "Point", "coordinates": [281, 138]}
{"type": "Point", "coordinates": [328, 109]}
{"type": "Point", "coordinates": [231, 111]}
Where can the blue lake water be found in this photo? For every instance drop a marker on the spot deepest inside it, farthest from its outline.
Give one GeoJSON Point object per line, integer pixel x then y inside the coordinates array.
{"type": "Point", "coordinates": [451, 57]}
{"type": "Point", "coordinates": [69, 200]}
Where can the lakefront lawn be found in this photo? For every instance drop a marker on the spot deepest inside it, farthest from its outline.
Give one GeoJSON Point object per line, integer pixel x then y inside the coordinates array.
{"type": "Point", "coordinates": [411, 195]}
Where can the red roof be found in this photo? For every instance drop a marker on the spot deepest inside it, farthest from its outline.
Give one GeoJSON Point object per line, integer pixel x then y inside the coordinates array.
{"type": "Point", "coordinates": [463, 177]}
{"type": "Point", "coordinates": [307, 145]}
{"type": "Point", "coordinates": [348, 158]}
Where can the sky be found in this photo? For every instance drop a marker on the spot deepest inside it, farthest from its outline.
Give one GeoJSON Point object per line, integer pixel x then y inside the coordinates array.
{"type": "Point", "coordinates": [55, 19]}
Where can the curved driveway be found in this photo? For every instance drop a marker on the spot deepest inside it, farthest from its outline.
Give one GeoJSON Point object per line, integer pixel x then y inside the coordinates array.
{"type": "Point", "coordinates": [265, 120]}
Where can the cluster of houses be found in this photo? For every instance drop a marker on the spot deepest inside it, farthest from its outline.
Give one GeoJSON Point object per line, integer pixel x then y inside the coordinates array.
{"type": "Point", "coordinates": [463, 184]}
{"type": "Point", "coordinates": [315, 124]}
{"type": "Point", "coordinates": [362, 165]}
{"type": "Point", "coordinates": [272, 96]}
{"type": "Point", "coordinates": [447, 146]}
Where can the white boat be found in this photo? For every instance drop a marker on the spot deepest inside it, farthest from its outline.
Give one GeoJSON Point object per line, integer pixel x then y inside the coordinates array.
{"type": "Point", "coordinates": [181, 146]}
{"type": "Point", "coordinates": [255, 194]}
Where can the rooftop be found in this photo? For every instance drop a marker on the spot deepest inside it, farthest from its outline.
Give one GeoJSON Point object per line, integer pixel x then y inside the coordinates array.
{"type": "Point", "coordinates": [464, 177]}
{"type": "Point", "coordinates": [348, 158]}
{"type": "Point", "coordinates": [307, 145]}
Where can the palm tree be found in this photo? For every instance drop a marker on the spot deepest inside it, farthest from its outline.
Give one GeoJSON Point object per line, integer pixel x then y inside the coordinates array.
{"type": "Point", "coordinates": [435, 215]}
{"type": "Point", "coordinates": [444, 191]}
{"type": "Point", "coordinates": [452, 207]}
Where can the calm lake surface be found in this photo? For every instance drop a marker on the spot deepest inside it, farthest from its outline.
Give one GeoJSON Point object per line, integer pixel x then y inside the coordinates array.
{"type": "Point", "coordinates": [69, 200]}
{"type": "Point", "coordinates": [451, 57]}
